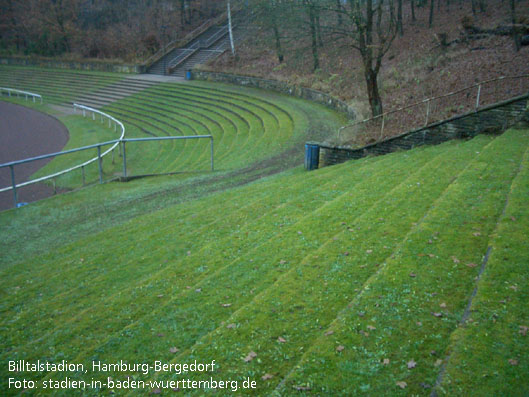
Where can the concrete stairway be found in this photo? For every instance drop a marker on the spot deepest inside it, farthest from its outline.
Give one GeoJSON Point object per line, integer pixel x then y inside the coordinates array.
{"type": "Point", "coordinates": [197, 49]}
{"type": "Point", "coordinates": [114, 92]}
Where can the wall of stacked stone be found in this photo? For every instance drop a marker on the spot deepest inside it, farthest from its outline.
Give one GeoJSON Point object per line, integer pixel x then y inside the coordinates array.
{"type": "Point", "coordinates": [75, 65]}
{"type": "Point", "coordinates": [279, 86]}
{"type": "Point", "coordinates": [493, 119]}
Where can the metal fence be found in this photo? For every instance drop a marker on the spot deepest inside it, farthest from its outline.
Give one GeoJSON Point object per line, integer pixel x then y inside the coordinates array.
{"type": "Point", "coordinates": [18, 93]}
{"type": "Point", "coordinates": [119, 143]}
{"type": "Point", "coordinates": [432, 110]}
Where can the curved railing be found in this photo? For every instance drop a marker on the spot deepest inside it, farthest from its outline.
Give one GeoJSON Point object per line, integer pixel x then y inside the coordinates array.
{"type": "Point", "coordinates": [100, 155]}
{"type": "Point", "coordinates": [434, 109]}
{"type": "Point", "coordinates": [20, 92]}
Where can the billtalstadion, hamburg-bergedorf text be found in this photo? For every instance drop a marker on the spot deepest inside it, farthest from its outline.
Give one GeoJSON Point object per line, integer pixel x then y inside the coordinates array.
{"type": "Point", "coordinates": [99, 375]}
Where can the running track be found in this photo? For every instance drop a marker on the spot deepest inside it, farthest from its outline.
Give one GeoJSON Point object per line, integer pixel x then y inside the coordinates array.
{"type": "Point", "coordinates": [26, 133]}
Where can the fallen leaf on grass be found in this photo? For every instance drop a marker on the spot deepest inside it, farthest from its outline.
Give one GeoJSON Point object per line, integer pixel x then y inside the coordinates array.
{"type": "Point", "coordinates": [523, 330]}
{"type": "Point", "coordinates": [385, 361]}
{"type": "Point", "coordinates": [174, 349]}
{"type": "Point", "coordinates": [413, 275]}
{"type": "Point", "coordinates": [443, 305]}
{"type": "Point", "coordinates": [250, 356]}
{"type": "Point", "coordinates": [438, 314]}
{"type": "Point", "coordinates": [282, 262]}
{"type": "Point", "coordinates": [340, 348]}
{"type": "Point", "coordinates": [226, 304]}
{"type": "Point", "coordinates": [369, 251]}
{"type": "Point", "coordinates": [514, 287]}
{"type": "Point", "coordinates": [346, 253]}
{"type": "Point", "coordinates": [512, 361]}
{"type": "Point", "coordinates": [411, 364]}
{"type": "Point", "coordinates": [281, 340]}
{"type": "Point", "coordinates": [232, 325]}
{"type": "Point", "coordinates": [438, 362]}
{"type": "Point", "coordinates": [371, 328]}
{"type": "Point", "coordinates": [455, 259]}
{"type": "Point", "coordinates": [471, 264]}
{"type": "Point", "coordinates": [476, 234]}
{"type": "Point", "coordinates": [329, 333]}
{"type": "Point", "coordinates": [431, 255]}
{"type": "Point", "coordinates": [267, 376]}
{"type": "Point", "coordinates": [301, 388]}
{"type": "Point", "coordinates": [198, 290]}
{"type": "Point", "coordinates": [402, 384]}
{"type": "Point", "coordinates": [160, 296]}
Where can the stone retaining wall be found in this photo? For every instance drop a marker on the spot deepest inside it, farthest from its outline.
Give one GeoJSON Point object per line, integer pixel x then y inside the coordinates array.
{"type": "Point", "coordinates": [75, 65]}
{"type": "Point", "coordinates": [279, 86]}
{"type": "Point", "coordinates": [493, 119]}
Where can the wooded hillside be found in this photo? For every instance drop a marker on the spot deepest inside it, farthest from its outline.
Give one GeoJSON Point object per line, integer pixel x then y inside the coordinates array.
{"type": "Point", "coordinates": [128, 30]}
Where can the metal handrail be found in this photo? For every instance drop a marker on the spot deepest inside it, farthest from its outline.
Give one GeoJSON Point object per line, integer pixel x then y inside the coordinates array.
{"type": "Point", "coordinates": [26, 93]}
{"type": "Point", "coordinates": [215, 37]}
{"type": "Point", "coordinates": [187, 38]}
{"type": "Point", "coordinates": [187, 52]}
{"type": "Point", "coordinates": [98, 158]}
{"type": "Point", "coordinates": [427, 102]}
{"type": "Point", "coordinates": [122, 140]}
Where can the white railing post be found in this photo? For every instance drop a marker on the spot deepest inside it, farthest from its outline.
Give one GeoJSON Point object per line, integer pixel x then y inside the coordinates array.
{"type": "Point", "coordinates": [427, 111]}
{"type": "Point", "coordinates": [477, 98]}
{"type": "Point", "coordinates": [382, 127]}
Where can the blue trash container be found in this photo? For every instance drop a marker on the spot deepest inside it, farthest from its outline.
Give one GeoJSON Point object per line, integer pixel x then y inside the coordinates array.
{"type": "Point", "coordinates": [188, 74]}
{"type": "Point", "coordinates": [312, 156]}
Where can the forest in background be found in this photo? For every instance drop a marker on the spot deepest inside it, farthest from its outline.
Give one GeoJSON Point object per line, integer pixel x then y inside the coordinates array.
{"type": "Point", "coordinates": [128, 30]}
{"type": "Point", "coordinates": [333, 45]}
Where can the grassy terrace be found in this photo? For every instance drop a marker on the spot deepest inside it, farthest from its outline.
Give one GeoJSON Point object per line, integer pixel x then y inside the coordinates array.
{"type": "Point", "coordinates": [353, 279]}
{"type": "Point", "coordinates": [247, 125]}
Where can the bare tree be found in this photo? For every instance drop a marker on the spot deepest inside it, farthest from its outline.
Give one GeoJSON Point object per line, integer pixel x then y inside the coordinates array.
{"type": "Point", "coordinates": [370, 30]}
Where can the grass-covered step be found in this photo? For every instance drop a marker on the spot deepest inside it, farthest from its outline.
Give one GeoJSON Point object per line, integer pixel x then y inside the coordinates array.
{"type": "Point", "coordinates": [222, 274]}
{"type": "Point", "coordinates": [301, 303]}
{"type": "Point", "coordinates": [488, 353]}
{"type": "Point", "coordinates": [178, 257]}
{"type": "Point", "coordinates": [56, 86]}
{"type": "Point", "coordinates": [198, 218]}
{"type": "Point", "coordinates": [394, 333]}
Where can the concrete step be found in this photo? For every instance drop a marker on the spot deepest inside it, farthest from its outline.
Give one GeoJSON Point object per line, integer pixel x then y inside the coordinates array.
{"type": "Point", "coordinates": [114, 92]}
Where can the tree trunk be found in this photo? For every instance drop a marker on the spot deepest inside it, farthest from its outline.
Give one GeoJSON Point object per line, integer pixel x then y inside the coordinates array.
{"type": "Point", "coordinates": [318, 29]}
{"type": "Point", "coordinates": [339, 8]}
{"type": "Point", "coordinates": [399, 18]}
{"type": "Point", "coordinates": [182, 14]}
{"type": "Point", "coordinates": [515, 35]}
{"type": "Point", "coordinates": [314, 38]}
{"type": "Point", "coordinates": [430, 21]}
{"type": "Point", "coordinates": [413, 11]}
{"type": "Point", "coordinates": [375, 102]}
{"type": "Point", "coordinates": [279, 49]}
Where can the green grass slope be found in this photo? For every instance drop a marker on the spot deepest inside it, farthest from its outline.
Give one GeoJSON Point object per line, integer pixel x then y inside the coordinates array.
{"type": "Point", "coordinates": [353, 279]}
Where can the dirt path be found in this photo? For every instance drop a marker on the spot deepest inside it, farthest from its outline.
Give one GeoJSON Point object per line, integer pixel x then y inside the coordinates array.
{"type": "Point", "coordinates": [26, 133]}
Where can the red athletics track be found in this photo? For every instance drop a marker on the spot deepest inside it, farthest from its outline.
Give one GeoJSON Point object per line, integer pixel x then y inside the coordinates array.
{"type": "Point", "coordinates": [26, 133]}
